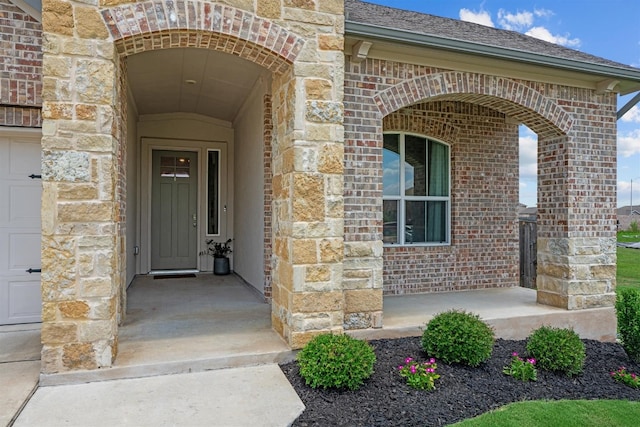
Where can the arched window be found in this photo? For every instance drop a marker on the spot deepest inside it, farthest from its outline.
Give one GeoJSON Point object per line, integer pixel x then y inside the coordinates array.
{"type": "Point", "coordinates": [416, 190]}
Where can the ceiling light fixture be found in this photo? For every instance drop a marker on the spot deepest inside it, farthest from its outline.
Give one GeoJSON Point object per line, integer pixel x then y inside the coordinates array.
{"type": "Point", "coordinates": [190, 82]}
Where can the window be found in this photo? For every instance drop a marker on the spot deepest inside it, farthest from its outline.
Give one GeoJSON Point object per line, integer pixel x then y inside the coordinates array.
{"type": "Point", "coordinates": [416, 190]}
{"type": "Point", "coordinates": [213, 189]}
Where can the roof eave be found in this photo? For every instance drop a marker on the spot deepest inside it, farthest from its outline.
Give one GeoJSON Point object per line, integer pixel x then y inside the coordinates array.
{"type": "Point", "coordinates": [359, 29]}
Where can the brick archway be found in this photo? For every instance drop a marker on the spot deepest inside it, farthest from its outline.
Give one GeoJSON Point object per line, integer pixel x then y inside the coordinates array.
{"type": "Point", "coordinates": [138, 27]}
{"type": "Point", "coordinates": [508, 96]}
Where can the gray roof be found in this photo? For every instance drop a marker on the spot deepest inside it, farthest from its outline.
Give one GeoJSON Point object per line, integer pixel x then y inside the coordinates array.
{"type": "Point", "coordinates": [384, 17]}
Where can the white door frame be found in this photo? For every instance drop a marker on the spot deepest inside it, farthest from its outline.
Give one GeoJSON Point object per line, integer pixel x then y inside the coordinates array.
{"type": "Point", "coordinates": [201, 148]}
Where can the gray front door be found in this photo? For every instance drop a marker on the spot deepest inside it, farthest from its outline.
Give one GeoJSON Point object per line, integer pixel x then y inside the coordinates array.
{"type": "Point", "coordinates": [174, 207]}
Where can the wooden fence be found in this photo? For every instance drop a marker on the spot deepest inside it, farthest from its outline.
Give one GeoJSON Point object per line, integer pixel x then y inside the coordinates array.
{"type": "Point", "coordinates": [528, 253]}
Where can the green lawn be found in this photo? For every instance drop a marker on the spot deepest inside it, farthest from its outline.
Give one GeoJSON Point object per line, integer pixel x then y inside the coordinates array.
{"type": "Point", "coordinates": [569, 413]}
{"type": "Point", "coordinates": [628, 261]}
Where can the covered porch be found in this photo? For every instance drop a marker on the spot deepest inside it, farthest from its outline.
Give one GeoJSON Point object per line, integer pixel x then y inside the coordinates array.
{"type": "Point", "coordinates": [179, 325]}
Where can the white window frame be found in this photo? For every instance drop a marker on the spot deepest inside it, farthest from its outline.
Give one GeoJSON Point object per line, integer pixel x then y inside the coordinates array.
{"type": "Point", "coordinates": [402, 198]}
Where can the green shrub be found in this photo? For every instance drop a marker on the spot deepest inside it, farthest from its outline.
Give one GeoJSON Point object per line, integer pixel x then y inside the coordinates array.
{"type": "Point", "coordinates": [336, 361]}
{"type": "Point", "coordinates": [557, 349]}
{"type": "Point", "coordinates": [633, 227]}
{"type": "Point", "coordinates": [458, 337]}
{"type": "Point", "coordinates": [628, 313]}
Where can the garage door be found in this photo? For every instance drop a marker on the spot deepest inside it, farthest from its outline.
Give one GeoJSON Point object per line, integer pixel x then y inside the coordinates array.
{"type": "Point", "coordinates": [20, 192]}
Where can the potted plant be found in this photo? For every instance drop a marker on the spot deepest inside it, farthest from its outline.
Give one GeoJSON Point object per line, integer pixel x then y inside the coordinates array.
{"type": "Point", "coordinates": [219, 252]}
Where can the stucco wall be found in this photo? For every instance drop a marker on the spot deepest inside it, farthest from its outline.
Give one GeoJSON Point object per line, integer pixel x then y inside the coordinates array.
{"type": "Point", "coordinates": [248, 244]}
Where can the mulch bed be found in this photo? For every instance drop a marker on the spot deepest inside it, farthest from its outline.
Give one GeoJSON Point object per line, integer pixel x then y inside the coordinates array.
{"type": "Point", "coordinates": [461, 392]}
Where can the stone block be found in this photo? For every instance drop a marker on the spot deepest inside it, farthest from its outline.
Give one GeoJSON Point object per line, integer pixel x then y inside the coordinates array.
{"type": "Point", "coordinates": [73, 309]}
{"type": "Point", "coordinates": [95, 330]}
{"type": "Point", "coordinates": [324, 111]}
{"type": "Point", "coordinates": [65, 166]}
{"type": "Point", "coordinates": [331, 250]}
{"type": "Point", "coordinates": [305, 251]}
{"type": "Point", "coordinates": [316, 302]}
{"type": "Point", "coordinates": [298, 340]}
{"type": "Point", "coordinates": [89, 23]}
{"type": "Point", "coordinates": [331, 159]}
{"type": "Point", "coordinates": [308, 197]}
{"type": "Point", "coordinates": [85, 211]}
{"type": "Point", "coordinates": [363, 300]}
{"type": "Point", "coordinates": [96, 287]}
{"type": "Point", "coordinates": [331, 6]}
{"type": "Point", "coordinates": [58, 333]}
{"type": "Point", "coordinates": [552, 299]}
{"type": "Point", "coordinates": [320, 89]}
{"type": "Point", "coordinates": [97, 143]}
{"type": "Point", "coordinates": [77, 191]}
{"type": "Point", "coordinates": [269, 8]}
{"type": "Point", "coordinates": [317, 273]}
{"type": "Point", "coordinates": [331, 42]}
{"type": "Point", "coordinates": [305, 159]}
{"type": "Point", "coordinates": [51, 359]}
{"type": "Point", "coordinates": [57, 17]}
{"type": "Point", "coordinates": [79, 356]}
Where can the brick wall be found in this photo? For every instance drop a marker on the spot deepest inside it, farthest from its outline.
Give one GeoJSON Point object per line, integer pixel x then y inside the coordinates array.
{"type": "Point", "coordinates": [20, 67]}
{"type": "Point", "coordinates": [484, 182]}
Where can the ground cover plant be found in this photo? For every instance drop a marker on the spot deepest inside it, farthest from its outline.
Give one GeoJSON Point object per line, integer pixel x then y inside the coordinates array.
{"type": "Point", "coordinates": [461, 392]}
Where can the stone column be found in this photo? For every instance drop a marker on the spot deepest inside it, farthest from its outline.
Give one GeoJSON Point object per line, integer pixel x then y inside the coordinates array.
{"type": "Point", "coordinates": [80, 263]}
{"type": "Point", "coordinates": [576, 216]}
{"type": "Point", "coordinates": [308, 152]}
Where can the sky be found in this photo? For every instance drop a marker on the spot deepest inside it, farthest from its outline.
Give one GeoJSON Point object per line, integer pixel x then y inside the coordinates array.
{"type": "Point", "coordinates": [605, 28]}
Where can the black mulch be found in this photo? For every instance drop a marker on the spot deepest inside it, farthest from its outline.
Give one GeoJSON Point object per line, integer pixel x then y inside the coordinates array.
{"type": "Point", "coordinates": [461, 392]}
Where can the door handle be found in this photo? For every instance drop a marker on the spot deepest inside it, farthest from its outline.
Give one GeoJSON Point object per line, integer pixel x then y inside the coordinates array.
{"type": "Point", "coordinates": [34, 270]}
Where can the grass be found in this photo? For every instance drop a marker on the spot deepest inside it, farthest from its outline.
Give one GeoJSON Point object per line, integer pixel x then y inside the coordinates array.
{"type": "Point", "coordinates": [583, 413]}
{"type": "Point", "coordinates": [628, 273]}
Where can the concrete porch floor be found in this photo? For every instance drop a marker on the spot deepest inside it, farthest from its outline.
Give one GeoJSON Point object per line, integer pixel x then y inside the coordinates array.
{"type": "Point", "coordinates": [213, 322]}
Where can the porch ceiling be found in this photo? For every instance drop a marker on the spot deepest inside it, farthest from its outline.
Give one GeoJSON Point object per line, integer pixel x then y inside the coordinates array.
{"type": "Point", "coordinates": [191, 80]}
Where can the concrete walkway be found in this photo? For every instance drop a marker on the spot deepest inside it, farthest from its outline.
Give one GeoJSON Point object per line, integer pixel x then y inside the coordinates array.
{"type": "Point", "coordinates": [251, 396]}
{"type": "Point", "coordinates": [19, 367]}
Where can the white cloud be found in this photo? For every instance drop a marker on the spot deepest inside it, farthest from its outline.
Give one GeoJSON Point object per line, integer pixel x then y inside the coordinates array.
{"type": "Point", "coordinates": [528, 156]}
{"type": "Point", "coordinates": [633, 115]}
{"type": "Point", "coordinates": [629, 143]}
{"type": "Point", "coordinates": [544, 34]}
{"type": "Point", "coordinates": [543, 13]}
{"type": "Point", "coordinates": [515, 22]}
{"type": "Point", "coordinates": [482, 17]}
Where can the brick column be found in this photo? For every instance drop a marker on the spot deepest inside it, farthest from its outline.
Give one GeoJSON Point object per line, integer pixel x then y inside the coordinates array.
{"type": "Point", "coordinates": [576, 216]}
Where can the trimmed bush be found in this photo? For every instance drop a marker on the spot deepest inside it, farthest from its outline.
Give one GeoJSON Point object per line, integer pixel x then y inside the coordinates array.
{"type": "Point", "coordinates": [456, 336]}
{"type": "Point", "coordinates": [336, 361]}
{"type": "Point", "coordinates": [557, 349]}
{"type": "Point", "coordinates": [628, 313]}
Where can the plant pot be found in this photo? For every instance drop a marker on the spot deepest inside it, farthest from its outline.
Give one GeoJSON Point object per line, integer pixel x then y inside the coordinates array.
{"type": "Point", "coordinates": [221, 266]}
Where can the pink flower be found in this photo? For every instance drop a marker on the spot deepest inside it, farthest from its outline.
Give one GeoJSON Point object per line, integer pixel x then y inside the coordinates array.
{"type": "Point", "coordinates": [408, 360]}
{"type": "Point", "coordinates": [430, 370]}
{"type": "Point", "coordinates": [413, 369]}
{"type": "Point", "coordinates": [514, 354]}
{"type": "Point", "coordinates": [532, 361]}
{"type": "Point", "coordinates": [432, 360]}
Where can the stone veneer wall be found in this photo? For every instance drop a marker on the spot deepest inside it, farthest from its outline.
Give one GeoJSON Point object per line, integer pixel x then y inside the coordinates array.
{"type": "Point", "coordinates": [83, 168]}
{"type": "Point", "coordinates": [576, 130]}
{"type": "Point", "coordinates": [20, 67]}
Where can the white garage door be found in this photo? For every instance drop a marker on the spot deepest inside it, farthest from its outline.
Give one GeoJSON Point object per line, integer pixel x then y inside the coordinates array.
{"type": "Point", "coordinates": [20, 299]}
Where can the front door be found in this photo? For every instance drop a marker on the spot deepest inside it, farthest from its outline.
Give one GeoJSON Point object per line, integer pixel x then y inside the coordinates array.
{"type": "Point", "coordinates": [174, 208]}
{"type": "Point", "coordinates": [20, 194]}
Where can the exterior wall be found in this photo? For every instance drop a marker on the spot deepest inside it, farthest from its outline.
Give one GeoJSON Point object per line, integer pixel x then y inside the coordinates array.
{"type": "Point", "coordinates": [84, 145]}
{"type": "Point", "coordinates": [248, 244]}
{"type": "Point", "coordinates": [20, 67]}
{"type": "Point", "coordinates": [132, 195]}
{"type": "Point", "coordinates": [484, 181]}
{"type": "Point", "coordinates": [577, 254]}
{"type": "Point", "coordinates": [202, 132]}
